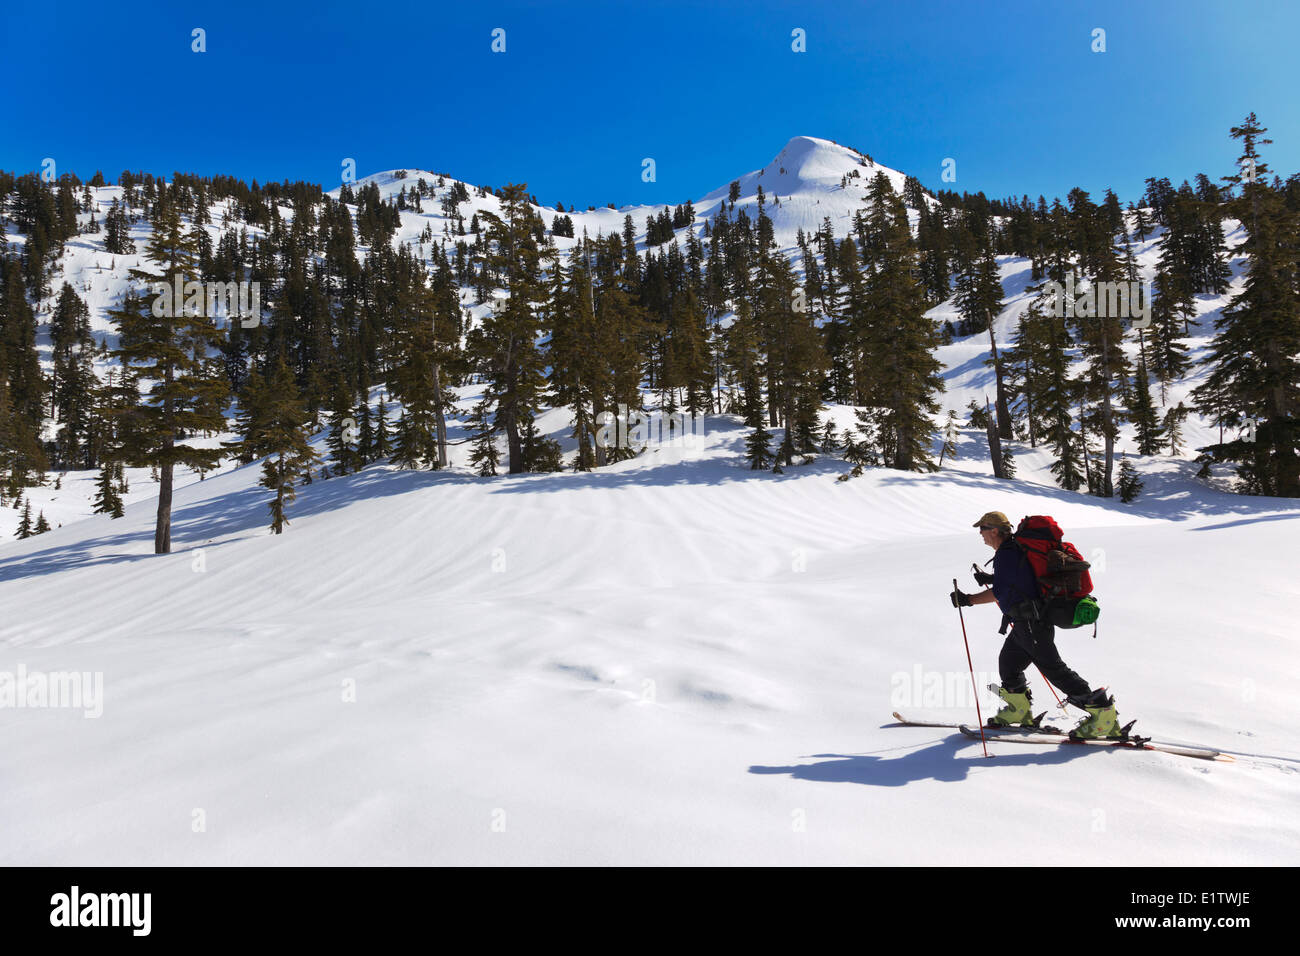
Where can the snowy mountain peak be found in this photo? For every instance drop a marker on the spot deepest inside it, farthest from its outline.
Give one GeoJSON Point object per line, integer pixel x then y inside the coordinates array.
{"type": "Point", "coordinates": [808, 182]}
{"type": "Point", "coordinates": [810, 159]}
{"type": "Point", "coordinates": [807, 164]}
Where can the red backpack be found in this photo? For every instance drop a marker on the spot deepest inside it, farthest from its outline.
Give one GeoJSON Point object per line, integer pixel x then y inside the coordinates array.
{"type": "Point", "coordinates": [1061, 571]}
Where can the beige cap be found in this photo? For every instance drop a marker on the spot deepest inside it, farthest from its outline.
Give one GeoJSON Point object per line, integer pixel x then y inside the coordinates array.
{"type": "Point", "coordinates": [994, 519]}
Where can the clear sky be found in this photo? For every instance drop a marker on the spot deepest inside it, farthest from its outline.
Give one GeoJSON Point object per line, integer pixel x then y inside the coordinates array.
{"type": "Point", "coordinates": [1012, 91]}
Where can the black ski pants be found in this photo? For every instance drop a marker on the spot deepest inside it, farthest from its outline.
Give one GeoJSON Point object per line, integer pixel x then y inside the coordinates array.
{"type": "Point", "coordinates": [1034, 642]}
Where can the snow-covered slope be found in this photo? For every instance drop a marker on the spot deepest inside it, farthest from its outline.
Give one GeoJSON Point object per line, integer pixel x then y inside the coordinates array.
{"type": "Point", "coordinates": [676, 660]}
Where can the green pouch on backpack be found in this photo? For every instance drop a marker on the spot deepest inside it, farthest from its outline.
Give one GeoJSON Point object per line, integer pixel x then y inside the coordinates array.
{"type": "Point", "coordinates": [1073, 612]}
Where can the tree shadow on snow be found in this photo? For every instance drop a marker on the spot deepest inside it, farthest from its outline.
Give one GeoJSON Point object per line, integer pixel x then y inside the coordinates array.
{"type": "Point", "coordinates": [1233, 524]}
{"type": "Point", "coordinates": [64, 556]}
{"type": "Point", "coordinates": [722, 463]}
{"type": "Point", "coordinates": [940, 761]}
{"type": "Point", "coordinates": [1166, 496]}
{"type": "Point", "coordinates": [222, 515]}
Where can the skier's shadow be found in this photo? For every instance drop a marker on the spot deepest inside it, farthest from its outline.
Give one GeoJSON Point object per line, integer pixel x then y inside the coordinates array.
{"type": "Point", "coordinates": [948, 760]}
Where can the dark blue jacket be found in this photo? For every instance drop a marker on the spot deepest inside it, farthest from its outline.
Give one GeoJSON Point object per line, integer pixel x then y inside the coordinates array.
{"type": "Point", "coordinates": [1013, 577]}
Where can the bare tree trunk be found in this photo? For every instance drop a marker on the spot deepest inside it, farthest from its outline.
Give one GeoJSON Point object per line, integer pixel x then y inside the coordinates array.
{"type": "Point", "coordinates": [717, 375]}
{"type": "Point", "coordinates": [440, 419]}
{"type": "Point", "coordinates": [1029, 410]}
{"type": "Point", "coordinates": [1003, 409]}
{"type": "Point", "coordinates": [773, 419]}
{"type": "Point", "coordinates": [596, 402]}
{"type": "Point", "coordinates": [995, 446]}
{"type": "Point", "coordinates": [162, 536]}
{"type": "Point", "coordinates": [1083, 444]}
{"type": "Point", "coordinates": [513, 444]}
{"type": "Point", "coordinates": [596, 410]}
{"type": "Point", "coordinates": [1107, 419]}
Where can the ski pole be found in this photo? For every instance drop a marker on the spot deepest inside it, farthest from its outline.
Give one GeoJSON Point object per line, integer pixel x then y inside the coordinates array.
{"type": "Point", "coordinates": [961, 617]}
{"type": "Point", "coordinates": [1060, 703]}
{"type": "Point", "coordinates": [1050, 687]}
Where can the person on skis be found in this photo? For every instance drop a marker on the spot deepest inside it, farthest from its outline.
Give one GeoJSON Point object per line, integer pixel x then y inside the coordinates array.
{"type": "Point", "coordinates": [1014, 588]}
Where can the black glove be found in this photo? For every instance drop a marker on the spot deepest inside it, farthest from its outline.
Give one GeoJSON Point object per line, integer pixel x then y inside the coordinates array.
{"type": "Point", "coordinates": [960, 599]}
{"type": "Point", "coordinates": [982, 578]}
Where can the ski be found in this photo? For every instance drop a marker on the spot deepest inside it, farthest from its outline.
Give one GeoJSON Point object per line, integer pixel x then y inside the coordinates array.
{"type": "Point", "coordinates": [1131, 743]}
{"type": "Point", "coordinates": [921, 723]}
{"type": "Point", "coordinates": [1052, 735]}
{"type": "Point", "coordinates": [1045, 730]}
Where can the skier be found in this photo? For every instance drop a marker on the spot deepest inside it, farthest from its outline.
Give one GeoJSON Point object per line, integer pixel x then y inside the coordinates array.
{"type": "Point", "coordinates": [1032, 639]}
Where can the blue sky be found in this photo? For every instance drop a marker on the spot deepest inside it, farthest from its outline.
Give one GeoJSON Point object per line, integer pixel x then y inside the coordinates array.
{"type": "Point", "coordinates": [585, 91]}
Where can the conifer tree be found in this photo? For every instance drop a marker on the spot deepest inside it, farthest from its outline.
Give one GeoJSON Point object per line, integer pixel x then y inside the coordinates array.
{"type": "Point", "coordinates": [117, 402]}
{"type": "Point", "coordinates": [506, 342]}
{"type": "Point", "coordinates": [1130, 485]}
{"type": "Point", "coordinates": [25, 523]}
{"type": "Point", "coordinates": [1008, 463]}
{"type": "Point", "coordinates": [21, 456]}
{"type": "Point", "coordinates": [540, 453]}
{"type": "Point", "coordinates": [933, 244]}
{"type": "Point", "coordinates": [900, 339]}
{"type": "Point", "coordinates": [383, 446]}
{"type": "Point", "coordinates": [117, 232]}
{"type": "Point", "coordinates": [484, 456]}
{"type": "Point", "coordinates": [795, 361]}
{"type": "Point", "coordinates": [861, 445]}
{"type": "Point", "coordinates": [804, 426]}
{"type": "Point", "coordinates": [979, 298]}
{"type": "Point", "coordinates": [279, 431]}
{"type": "Point", "coordinates": [829, 444]}
{"type": "Point", "coordinates": [408, 443]}
{"type": "Point", "coordinates": [950, 435]}
{"type": "Point", "coordinates": [419, 351]}
{"type": "Point", "coordinates": [22, 386]}
{"type": "Point", "coordinates": [1101, 336]}
{"type": "Point", "coordinates": [172, 350]}
{"type": "Point", "coordinates": [342, 440]}
{"type": "Point", "coordinates": [1023, 362]}
{"type": "Point", "coordinates": [621, 323]}
{"type": "Point", "coordinates": [1141, 227]}
{"type": "Point", "coordinates": [1150, 434]}
{"type": "Point", "coordinates": [107, 500]}
{"type": "Point", "coordinates": [1173, 428]}
{"type": "Point", "coordinates": [42, 525]}
{"type": "Point", "coordinates": [570, 308]}
{"type": "Point", "coordinates": [1192, 249]}
{"type": "Point", "coordinates": [1254, 358]}
{"type": "Point", "coordinates": [1049, 391]}
{"type": "Point", "coordinates": [686, 349]}
{"type": "Point", "coordinates": [74, 384]}
{"type": "Point", "coordinates": [1171, 305]}
{"type": "Point", "coordinates": [247, 417]}
{"type": "Point", "coordinates": [758, 447]}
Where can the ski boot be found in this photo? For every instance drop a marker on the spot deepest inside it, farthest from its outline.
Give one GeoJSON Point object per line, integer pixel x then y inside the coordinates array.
{"type": "Point", "coordinates": [1102, 722]}
{"type": "Point", "coordinates": [1016, 709]}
